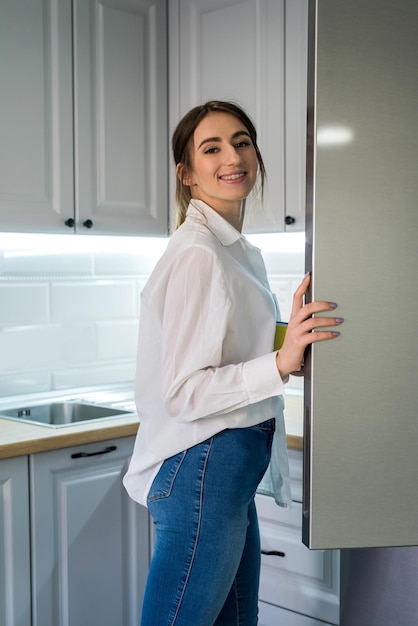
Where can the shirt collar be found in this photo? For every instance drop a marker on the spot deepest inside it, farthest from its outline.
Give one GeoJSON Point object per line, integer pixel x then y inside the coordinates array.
{"type": "Point", "coordinates": [218, 225]}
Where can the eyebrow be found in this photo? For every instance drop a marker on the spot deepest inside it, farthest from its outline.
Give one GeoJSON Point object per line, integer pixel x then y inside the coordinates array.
{"type": "Point", "coordinates": [238, 133]}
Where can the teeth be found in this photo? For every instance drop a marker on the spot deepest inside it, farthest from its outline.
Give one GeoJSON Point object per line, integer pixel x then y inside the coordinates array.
{"type": "Point", "coordinates": [232, 176]}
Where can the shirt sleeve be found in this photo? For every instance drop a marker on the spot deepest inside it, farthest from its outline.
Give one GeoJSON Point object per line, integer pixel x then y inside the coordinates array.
{"type": "Point", "coordinates": [196, 318]}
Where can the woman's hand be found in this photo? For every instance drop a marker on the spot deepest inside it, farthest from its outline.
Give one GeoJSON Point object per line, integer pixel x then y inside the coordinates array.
{"type": "Point", "coordinates": [299, 333]}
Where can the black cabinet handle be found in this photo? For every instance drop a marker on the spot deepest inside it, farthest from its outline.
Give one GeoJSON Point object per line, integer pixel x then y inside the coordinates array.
{"type": "Point", "coordinates": [289, 220]}
{"type": "Point", "coordinates": [82, 455]}
{"type": "Point", "coordinates": [88, 224]}
{"type": "Point", "coordinates": [273, 553]}
{"type": "Point", "coordinates": [70, 222]}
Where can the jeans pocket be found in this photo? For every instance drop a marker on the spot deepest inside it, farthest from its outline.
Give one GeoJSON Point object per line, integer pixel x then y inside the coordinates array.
{"type": "Point", "coordinates": [163, 482]}
{"type": "Point", "coordinates": [268, 426]}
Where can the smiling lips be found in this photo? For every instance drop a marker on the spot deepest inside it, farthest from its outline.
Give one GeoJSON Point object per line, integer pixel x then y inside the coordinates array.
{"type": "Point", "coordinates": [232, 178]}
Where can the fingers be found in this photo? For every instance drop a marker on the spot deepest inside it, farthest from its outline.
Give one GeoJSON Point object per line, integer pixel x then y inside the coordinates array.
{"type": "Point", "coordinates": [323, 335]}
{"type": "Point", "coordinates": [300, 310]}
{"type": "Point", "coordinates": [299, 294]}
{"type": "Point", "coordinates": [289, 358]}
{"type": "Point", "coordinates": [305, 326]}
{"type": "Point", "coordinates": [307, 312]}
{"type": "Point", "coordinates": [314, 324]}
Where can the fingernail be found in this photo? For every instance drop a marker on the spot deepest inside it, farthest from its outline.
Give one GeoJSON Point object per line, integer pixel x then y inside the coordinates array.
{"type": "Point", "coordinates": [336, 333]}
{"type": "Point", "coordinates": [339, 320]}
{"type": "Point", "coordinates": [333, 305]}
{"type": "Point", "coordinates": [307, 274]}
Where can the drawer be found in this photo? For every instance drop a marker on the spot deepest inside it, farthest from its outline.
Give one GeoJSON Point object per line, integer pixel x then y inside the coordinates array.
{"type": "Point", "coordinates": [292, 576]}
{"type": "Point", "coordinates": [270, 615]}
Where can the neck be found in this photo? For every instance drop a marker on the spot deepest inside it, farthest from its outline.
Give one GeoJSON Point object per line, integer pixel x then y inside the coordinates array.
{"type": "Point", "coordinates": [236, 217]}
{"type": "Point", "coordinates": [233, 213]}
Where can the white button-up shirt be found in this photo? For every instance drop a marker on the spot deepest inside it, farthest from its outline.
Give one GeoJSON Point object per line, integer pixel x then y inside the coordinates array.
{"type": "Point", "coordinates": [205, 352]}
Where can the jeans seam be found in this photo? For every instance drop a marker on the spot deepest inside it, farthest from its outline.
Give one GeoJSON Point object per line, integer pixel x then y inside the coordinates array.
{"type": "Point", "coordinates": [196, 537]}
{"type": "Point", "coordinates": [236, 601]}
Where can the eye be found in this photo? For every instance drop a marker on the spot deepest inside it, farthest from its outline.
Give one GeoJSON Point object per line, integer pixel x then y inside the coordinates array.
{"type": "Point", "coordinates": [243, 143]}
{"type": "Point", "coordinates": [213, 150]}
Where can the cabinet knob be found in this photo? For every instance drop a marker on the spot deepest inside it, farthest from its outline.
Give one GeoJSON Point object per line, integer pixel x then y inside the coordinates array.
{"type": "Point", "coordinates": [288, 220]}
{"type": "Point", "coordinates": [70, 222]}
{"type": "Point", "coordinates": [88, 224]}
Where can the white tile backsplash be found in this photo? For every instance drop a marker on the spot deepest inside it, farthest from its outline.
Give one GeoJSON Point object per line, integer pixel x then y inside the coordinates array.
{"type": "Point", "coordinates": [24, 303]}
{"type": "Point", "coordinates": [96, 374]}
{"type": "Point", "coordinates": [26, 348]}
{"type": "Point", "coordinates": [24, 383]}
{"type": "Point", "coordinates": [117, 340]}
{"type": "Point", "coordinates": [93, 300]}
{"type": "Point", "coordinates": [126, 264]}
{"type": "Point", "coordinates": [69, 318]}
{"type": "Point", "coordinates": [23, 262]}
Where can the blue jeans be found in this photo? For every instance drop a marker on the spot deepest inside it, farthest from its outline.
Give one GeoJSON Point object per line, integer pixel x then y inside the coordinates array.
{"type": "Point", "coordinates": [206, 564]}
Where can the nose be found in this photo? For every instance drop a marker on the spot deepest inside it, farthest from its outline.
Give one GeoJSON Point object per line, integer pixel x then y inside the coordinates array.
{"type": "Point", "coordinates": [232, 155]}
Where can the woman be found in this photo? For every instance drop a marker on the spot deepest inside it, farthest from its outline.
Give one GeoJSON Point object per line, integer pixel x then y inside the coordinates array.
{"type": "Point", "coordinates": [209, 385]}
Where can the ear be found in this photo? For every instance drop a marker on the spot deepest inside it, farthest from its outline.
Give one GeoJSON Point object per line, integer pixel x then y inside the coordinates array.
{"type": "Point", "coordinates": [184, 175]}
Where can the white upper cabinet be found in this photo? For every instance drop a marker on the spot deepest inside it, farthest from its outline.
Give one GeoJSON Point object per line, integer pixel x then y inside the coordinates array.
{"type": "Point", "coordinates": [248, 52]}
{"type": "Point", "coordinates": [36, 147]}
{"type": "Point", "coordinates": [120, 80]}
{"type": "Point", "coordinates": [86, 102]}
{"type": "Point", "coordinates": [296, 69]}
{"type": "Point", "coordinates": [84, 125]}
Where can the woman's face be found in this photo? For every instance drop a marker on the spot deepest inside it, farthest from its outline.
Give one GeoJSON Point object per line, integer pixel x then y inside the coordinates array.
{"type": "Point", "coordinates": [224, 162]}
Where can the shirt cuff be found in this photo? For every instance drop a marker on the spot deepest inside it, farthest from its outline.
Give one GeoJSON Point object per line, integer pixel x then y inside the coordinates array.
{"type": "Point", "coordinates": [262, 379]}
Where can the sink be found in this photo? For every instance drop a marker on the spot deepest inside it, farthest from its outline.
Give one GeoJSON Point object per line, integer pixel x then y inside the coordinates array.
{"type": "Point", "coordinates": [62, 413]}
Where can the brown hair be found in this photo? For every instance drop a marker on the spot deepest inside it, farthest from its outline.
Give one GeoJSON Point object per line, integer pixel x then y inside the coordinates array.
{"type": "Point", "coordinates": [182, 142]}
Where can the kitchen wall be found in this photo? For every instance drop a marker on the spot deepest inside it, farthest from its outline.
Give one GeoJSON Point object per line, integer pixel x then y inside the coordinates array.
{"type": "Point", "coordinates": [69, 305]}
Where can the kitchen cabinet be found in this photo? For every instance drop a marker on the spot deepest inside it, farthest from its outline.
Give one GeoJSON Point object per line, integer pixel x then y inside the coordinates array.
{"type": "Point", "coordinates": [74, 548]}
{"type": "Point", "coordinates": [253, 52]}
{"type": "Point", "coordinates": [84, 118]}
{"type": "Point", "coordinates": [90, 541]}
{"type": "Point", "coordinates": [298, 587]}
{"type": "Point", "coordinates": [15, 593]}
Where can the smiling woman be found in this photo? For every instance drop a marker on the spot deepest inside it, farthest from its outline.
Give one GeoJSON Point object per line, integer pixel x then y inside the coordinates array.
{"type": "Point", "coordinates": [209, 383]}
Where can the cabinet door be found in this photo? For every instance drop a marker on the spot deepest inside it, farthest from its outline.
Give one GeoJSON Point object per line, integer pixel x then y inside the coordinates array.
{"type": "Point", "coordinates": [36, 153]}
{"type": "Point", "coordinates": [296, 70]}
{"type": "Point", "coordinates": [120, 82]}
{"type": "Point", "coordinates": [90, 541]}
{"type": "Point", "coordinates": [234, 50]}
{"type": "Point", "coordinates": [14, 543]}
{"type": "Point", "coordinates": [292, 576]}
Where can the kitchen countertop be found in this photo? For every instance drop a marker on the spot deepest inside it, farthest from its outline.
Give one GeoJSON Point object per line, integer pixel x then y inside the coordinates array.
{"type": "Point", "coordinates": [21, 438]}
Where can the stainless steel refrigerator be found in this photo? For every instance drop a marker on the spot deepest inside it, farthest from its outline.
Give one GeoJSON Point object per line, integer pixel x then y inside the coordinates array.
{"type": "Point", "coordinates": [361, 390]}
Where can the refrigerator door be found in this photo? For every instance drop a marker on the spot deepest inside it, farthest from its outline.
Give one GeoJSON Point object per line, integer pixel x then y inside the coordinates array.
{"type": "Point", "coordinates": [361, 390]}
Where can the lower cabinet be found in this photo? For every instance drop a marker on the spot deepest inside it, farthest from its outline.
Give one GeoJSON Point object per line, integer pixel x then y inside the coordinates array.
{"type": "Point", "coordinates": [90, 542]}
{"type": "Point", "coordinates": [74, 548]}
{"type": "Point", "coordinates": [298, 586]}
{"type": "Point", "coordinates": [15, 593]}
